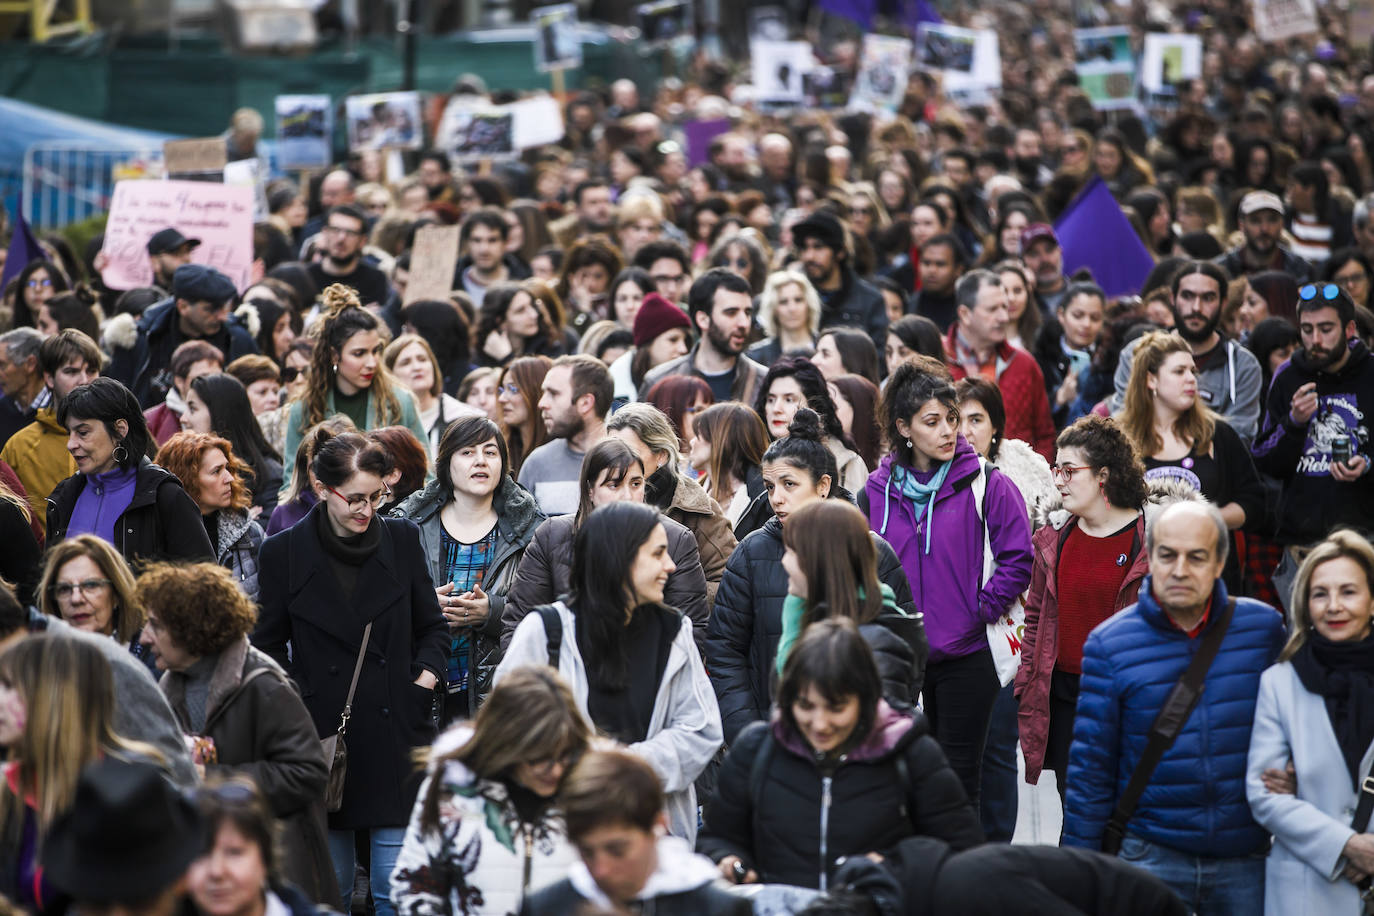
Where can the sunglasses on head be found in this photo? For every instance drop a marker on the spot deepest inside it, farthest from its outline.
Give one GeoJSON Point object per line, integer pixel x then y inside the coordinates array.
{"type": "Point", "coordinates": [1309, 292]}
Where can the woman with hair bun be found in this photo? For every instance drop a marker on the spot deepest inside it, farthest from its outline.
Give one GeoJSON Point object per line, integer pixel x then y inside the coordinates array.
{"type": "Point", "coordinates": [742, 635]}
{"type": "Point", "coordinates": [347, 375]}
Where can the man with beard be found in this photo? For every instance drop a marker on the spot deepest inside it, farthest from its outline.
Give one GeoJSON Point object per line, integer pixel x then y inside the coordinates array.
{"type": "Point", "coordinates": [1228, 375]}
{"type": "Point", "coordinates": [575, 400]}
{"type": "Point", "coordinates": [1317, 406]}
{"type": "Point", "coordinates": [846, 300]}
{"type": "Point", "coordinates": [942, 263]}
{"type": "Point", "coordinates": [168, 250]}
{"type": "Point", "coordinates": [730, 154]}
{"type": "Point", "coordinates": [485, 262]}
{"type": "Point", "coordinates": [345, 233]}
{"type": "Point", "coordinates": [1029, 161]}
{"type": "Point", "coordinates": [593, 213]}
{"type": "Point", "coordinates": [721, 307]}
{"type": "Point", "coordinates": [1261, 222]}
{"type": "Point", "coordinates": [336, 189]}
{"type": "Point", "coordinates": [1042, 254]}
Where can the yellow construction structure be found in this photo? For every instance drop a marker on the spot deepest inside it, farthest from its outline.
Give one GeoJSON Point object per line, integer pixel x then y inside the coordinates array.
{"type": "Point", "coordinates": [47, 21]}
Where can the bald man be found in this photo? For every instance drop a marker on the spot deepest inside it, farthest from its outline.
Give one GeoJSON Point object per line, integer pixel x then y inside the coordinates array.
{"type": "Point", "coordinates": [336, 188]}
{"type": "Point", "coordinates": [1192, 826]}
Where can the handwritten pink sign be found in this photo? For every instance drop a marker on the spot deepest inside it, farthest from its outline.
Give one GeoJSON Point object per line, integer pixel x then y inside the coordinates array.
{"type": "Point", "coordinates": [220, 215]}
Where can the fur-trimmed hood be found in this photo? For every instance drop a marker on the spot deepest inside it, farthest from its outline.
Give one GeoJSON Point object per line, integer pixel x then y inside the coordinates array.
{"type": "Point", "coordinates": [120, 332]}
{"type": "Point", "coordinates": [1162, 493]}
{"type": "Point", "coordinates": [1029, 470]}
{"type": "Point", "coordinates": [248, 314]}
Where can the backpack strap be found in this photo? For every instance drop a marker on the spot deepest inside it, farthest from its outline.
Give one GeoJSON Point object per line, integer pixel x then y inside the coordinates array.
{"type": "Point", "coordinates": [553, 631]}
{"type": "Point", "coordinates": [979, 489]}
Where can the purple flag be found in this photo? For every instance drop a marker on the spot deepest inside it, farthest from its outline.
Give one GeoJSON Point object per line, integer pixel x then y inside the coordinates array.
{"type": "Point", "coordinates": [860, 11]}
{"type": "Point", "coordinates": [915, 12]}
{"type": "Point", "coordinates": [23, 249]}
{"type": "Point", "coordinates": [699, 137]}
{"type": "Point", "coordinates": [1094, 233]}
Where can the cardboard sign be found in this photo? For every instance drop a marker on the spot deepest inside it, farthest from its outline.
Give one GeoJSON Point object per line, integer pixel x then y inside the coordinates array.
{"type": "Point", "coordinates": [969, 59]}
{"type": "Point", "coordinates": [220, 215]}
{"type": "Point", "coordinates": [1276, 20]}
{"type": "Point", "coordinates": [1106, 66]}
{"type": "Point", "coordinates": [1169, 60]}
{"type": "Point", "coordinates": [384, 120]}
{"type": "Point", "coordinates": [884, 69]}
{"type": "Point", "coordinates": [183, 157]}
{"type": "Point", "coordinates": [778, 68]}
{"type": "Point", "coordinates": [557, 44]}
{"type": "Point", "coordinates": [305, 124]}
{"type": "Point", "coordinates": [433, 259]}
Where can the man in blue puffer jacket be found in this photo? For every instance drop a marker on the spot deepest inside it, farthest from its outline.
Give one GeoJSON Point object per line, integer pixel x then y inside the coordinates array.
{"type": "Point", "coordinates": [1192, 827]}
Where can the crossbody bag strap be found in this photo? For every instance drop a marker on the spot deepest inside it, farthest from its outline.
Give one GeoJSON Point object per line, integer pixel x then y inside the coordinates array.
{"type": "Point", "coordinates": [1365, 806]}
{"type": "Point", "coordinates": [1179, 705]}
{"type": "Point", "coordinates": [353, 685]}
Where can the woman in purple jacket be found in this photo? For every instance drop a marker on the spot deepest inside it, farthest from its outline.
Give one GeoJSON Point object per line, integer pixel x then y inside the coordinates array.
{"type": "Point", "coordinates": [921, 500]}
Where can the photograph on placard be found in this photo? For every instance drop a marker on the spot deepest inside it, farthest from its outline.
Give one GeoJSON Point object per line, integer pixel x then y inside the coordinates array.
{"type": "Point", "coordinates": [941, 49]}
{"type": "Point", "coordinates": [778, 67]}
{"type": "Point", "coordinates": [1277, 20]}
{"type": "Point", "coordinates": [557, 44]}
{"type": "Point", "coordinates": [1106, 66]}
{"type": "Point", "coordinates": [884, 68]}
{"type": "Point", "coordinates": [1170, 59]}
{"type": "Point", "coordinates": [969, 61]}
{"type": "Point", "coordinates": [305, 126]}
{"type": "Point", "coordinates": [825, 87]}
{"type": "Point", "coordinates": [384, 120]}
{"type": "Point", "coordinates": [663, 21]}
{"type": "Point", "coordinates": [485, 133]}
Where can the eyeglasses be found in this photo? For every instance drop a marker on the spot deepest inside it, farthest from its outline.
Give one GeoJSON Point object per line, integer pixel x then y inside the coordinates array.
{"type": "Point", "coordinates": [1066, 471]}
{"type": "Point", "coordinates": [509, 388]}
{"type": "Point", "coordinates": [1309, 292]}
{"type": "Point", "coordinates": [42, 283]}
{"type": "Point", "coordinates": [356, 503]}
{"type": "Point", "coordinates": [548, 763]}
{"type": "Point", "coordinates": [62, 591]}
{"type": "Point", "coordinates": [291, 373]}
{"type": "Point", "coordinates": [340, 230]}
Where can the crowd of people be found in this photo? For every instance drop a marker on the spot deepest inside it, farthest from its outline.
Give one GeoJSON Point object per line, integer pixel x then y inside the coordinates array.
{"type": "Point", "coordinates": [728, 527]}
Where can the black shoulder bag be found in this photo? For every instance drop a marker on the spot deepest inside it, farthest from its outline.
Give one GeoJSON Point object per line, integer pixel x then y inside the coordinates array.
{"type": "Point", "coordinates": [1360, 824]}
{"type": "Point", "coordinates": [1166, 728]}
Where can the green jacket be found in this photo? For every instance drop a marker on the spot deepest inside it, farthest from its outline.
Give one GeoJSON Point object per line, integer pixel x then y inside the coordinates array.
{"type": "Point", "coordinates": [296, 427]}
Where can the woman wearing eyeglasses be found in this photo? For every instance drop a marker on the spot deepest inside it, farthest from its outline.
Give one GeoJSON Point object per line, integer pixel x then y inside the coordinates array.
{"type": "Point", "coordinates": [1089, 561]}
{"type": "Point", "coordinates": [324, 580]}
{"type": "Point", "coordinates": [486, 831]}
{"type": "Point", "coordinates": [87, 583]}
{"type": "Point", "coordinates": [1180, 438]}
{"type": "Point", "coordinates": [517, 394]}
{"type": "Point", "coordinates": [238, 711]}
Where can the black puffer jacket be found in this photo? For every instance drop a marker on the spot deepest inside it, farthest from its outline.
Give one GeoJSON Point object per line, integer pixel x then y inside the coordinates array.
{"type": "Point", "coordinates": [799, 816]}
{"type": "Point", "coordinates": [746, 623]}
{"type": "Point", "coordinates": [161, 523]}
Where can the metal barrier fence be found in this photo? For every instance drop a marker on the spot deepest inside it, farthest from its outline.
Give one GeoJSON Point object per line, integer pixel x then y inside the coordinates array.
{"type": "Point", "coordinates": [67, 181]}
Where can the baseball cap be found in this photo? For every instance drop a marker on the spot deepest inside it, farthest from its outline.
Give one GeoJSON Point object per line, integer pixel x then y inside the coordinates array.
{"type": "Point", "coordinates": [169, 239]}
{"type": "Point", "coordinates": [1256, 201]}
{"type": "Point", "coordinates": [198, 283]}
{"type": "Point", "coordinates": [1036, 231]}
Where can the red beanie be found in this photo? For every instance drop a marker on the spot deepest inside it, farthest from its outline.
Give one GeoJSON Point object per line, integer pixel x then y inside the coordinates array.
{"type": "Point", "coordinates": [655, 316]}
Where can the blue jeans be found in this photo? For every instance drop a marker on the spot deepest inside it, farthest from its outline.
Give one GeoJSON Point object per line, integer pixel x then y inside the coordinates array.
{"type": "Point", "coordinates": [1209, 887]}
{"type": "Point", "coordinates": [997, 804]}
{"type": "Point", "coordinates": [385, 843]}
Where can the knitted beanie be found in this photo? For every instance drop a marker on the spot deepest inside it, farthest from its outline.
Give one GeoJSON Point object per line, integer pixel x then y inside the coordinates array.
{"type": "Point", "coordinates": [655, 316]}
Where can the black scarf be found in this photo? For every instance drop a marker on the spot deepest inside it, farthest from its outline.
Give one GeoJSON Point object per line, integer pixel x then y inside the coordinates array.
{"type": "Point", "coordinates": [661, 487]}
{"type": "Point", "coordinates": [1342, 674]}
{"type": "Point", "coordinates": [347, 554]}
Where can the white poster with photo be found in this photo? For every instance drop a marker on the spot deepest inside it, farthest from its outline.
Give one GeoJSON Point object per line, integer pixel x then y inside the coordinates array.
{"type": "Point", "coordinates": [884, 69]}
{"type": "Point", "coordinates": [557, 44]}
{"type": "Point", "coordinates": [969, 60]}
{"type": "Point", "coordinates": [1105, 65]}
{"type": "Point", "coordinates": [1169, 60]}
{"type": "Point", "coordinates": [1276, 20]}
{"type": "Point", "coordinates": [778, 68]}
{"type": "Point", "coordinates": [305, 127]}
{"type": "Point", "coordinates": [384, 120]}
{"type": "Point", "coordinates": [480, 129]}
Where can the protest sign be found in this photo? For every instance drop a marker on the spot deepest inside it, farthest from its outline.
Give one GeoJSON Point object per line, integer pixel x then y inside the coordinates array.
{"type": "Point", "coordinates": [778, 67]}
{"type": "Point", "coordinates": [220, 215]}
{"type": "Point", "coordinates": [1276, 20]}
{"type": "Point", "coordinates": [663, 21]}
{"type": "Point", "coordinates": [1106, 67]}
{"type": "Point", "coordinates": [433, 259]}
{"type": "Point", "coordinates": [699, 136]}
{"type": "Point", "coordinates": [884, 68]}
{"type": "Point", "coordinates": [471, 127]}
{"type": "Point", "coordinates": [305, 124]}
{"type": "Point", "coordinates": [191, 157]}
{"type": "Point", "coordinates": [384, 120]}
{"type": "Point", "coordinates": [557, 44]}
{"type": "Point", "coordinates": [968, 59]}
{"type": "Point", "coordinates": [1169, 60]}
{"type": "Point", "coordinates": [824, 87]}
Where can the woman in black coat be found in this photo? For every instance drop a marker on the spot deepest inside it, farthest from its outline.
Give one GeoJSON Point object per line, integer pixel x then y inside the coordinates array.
{"type": "Point", "coordinates": [838, 773]}
{"type": "Point", "coordinates": [323, 580]}
{"type": "Point", "coordinates": [109, 439]}
{"type": "Point", "coordinates": [746, 623]}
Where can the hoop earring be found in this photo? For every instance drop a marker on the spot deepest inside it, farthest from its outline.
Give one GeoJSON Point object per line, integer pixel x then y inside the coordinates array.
{"type": "Point", "coordinates": [121, 458]}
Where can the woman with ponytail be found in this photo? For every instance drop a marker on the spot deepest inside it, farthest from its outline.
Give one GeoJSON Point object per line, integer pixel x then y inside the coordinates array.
{"type": "Point", "coordinates": [347, 375]}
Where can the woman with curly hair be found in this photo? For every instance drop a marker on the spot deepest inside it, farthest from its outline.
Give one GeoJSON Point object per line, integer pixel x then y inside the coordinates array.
{"type": "Point", "coordinates": [237, 706]}
{"type": "Point", "coordinates": [214, 478]}
{"type": "Point", "coordinates": [486, 831]}
{"type": "Point", "coordinates": [347, 377]}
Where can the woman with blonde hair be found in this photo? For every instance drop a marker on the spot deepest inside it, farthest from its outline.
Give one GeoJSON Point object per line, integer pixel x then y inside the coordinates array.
{"type": "Point", "coordinates": [411, 360]}
{"type": "Point", "coordinates": [486, 831]}
{"type": "Point", "coordinates": [347, 377]}
{"type": "Point", "coordinates": [1314, 719]}
{"type": "Point", "coordinates": [89, 585]}
{"type": "Point", "coordinates": [1180, 438]}
{"type": "Point", "coordinates": [213, 477]}
{"type": "Point", "coordinates": [56, 716]}
{"type": "Point", "coordinates": [790, 314]}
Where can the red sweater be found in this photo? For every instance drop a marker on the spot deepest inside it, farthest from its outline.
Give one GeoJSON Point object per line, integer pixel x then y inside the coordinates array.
{"type": "Point", "coordinates": [1023, 394]}
{"type": "Point", "coordinates": [1090, 572]}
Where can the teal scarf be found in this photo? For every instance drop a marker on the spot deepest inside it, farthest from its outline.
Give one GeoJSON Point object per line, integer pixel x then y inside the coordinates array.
{"type": "Point", "coordinates": [920, 495]}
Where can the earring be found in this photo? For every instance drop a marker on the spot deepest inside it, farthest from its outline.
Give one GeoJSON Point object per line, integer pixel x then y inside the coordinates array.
{"type": "Point", "coordinates": [908, 443]}
{"type": "Point", "coordinates": [336, 368]}
{"type": "Point", "coordinates": [121, 454]}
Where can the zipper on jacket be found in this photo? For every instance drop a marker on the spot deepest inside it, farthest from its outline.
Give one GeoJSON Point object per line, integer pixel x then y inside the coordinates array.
{"type": "Point", "coordinates": [825, 830]}
{"type": "Point", "coordinates": [529, 856]}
